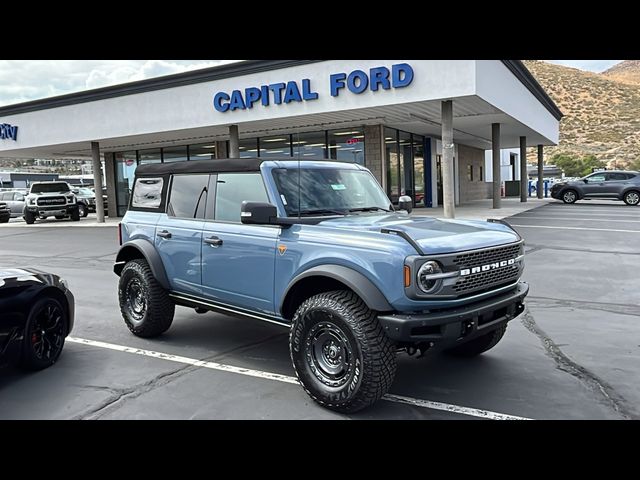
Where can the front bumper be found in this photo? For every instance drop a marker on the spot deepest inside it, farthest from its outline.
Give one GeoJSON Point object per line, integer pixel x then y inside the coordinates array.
{"type": "Point", "coordinates": [52, 210]}
{"type": "Point", "coordinates": [447, 327]}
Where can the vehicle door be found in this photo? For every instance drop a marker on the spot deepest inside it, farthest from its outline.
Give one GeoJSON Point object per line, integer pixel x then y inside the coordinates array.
{"type": "Point", "coordinates": [594, 186]}
{"type": "Point", "coordinates": [178, 233]}
{"type": "Point", "coordinates": [238, 260]}
{"type": "Point", "coordinates": [614, 184]}
{"type": "Point", "coordinates": [17, 204]}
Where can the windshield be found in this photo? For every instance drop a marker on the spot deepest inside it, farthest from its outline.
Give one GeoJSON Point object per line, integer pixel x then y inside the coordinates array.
{"type": "Point", "coordinates": [49, 188]}
{"type": "Point", "coordinates": [329, 191]}
{"type": "Point", "coordinates": [84, 191]}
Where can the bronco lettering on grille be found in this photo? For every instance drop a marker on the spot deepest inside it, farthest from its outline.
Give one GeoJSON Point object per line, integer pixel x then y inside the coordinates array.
{"type": "Point", "coordinates": [485, 268]}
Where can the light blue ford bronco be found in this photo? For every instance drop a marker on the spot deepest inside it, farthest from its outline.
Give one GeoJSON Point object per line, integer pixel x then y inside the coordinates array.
{"type": "Point", "coordinates": [316, 247]}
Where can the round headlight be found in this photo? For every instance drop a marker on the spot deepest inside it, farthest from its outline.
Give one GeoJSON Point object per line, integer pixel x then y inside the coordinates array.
{"type": "Point", "coordinates": [428, 269]}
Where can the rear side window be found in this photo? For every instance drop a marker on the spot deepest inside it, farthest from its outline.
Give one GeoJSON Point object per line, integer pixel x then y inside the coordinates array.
{"type": "Point", "coordinates": [147, 193]}
{"type": "Point", "coordinates": [617, 176]}
{"type": "Point", "coordinates": [188, 196]}
{"type": "Point", "coordinates": [234, 188]}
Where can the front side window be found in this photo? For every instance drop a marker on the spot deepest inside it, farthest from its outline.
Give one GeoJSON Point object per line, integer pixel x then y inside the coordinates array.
{"type": "Point", "coordinates": [188, 196]}
{"type": "Point", "coordinates": [320, 191]}
{"type": "Point", "coordinates": [596, 178]}
{"type": "Point", "coordinates": [234, 188]}
{"type": "Point", "coordinates": [147, 193]}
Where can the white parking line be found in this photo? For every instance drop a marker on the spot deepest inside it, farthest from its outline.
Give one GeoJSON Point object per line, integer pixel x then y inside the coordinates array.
{"type": "Point", "coordinates": [562, 214]}
{"type": "Point", "coordinates": [576, 228]}
{"type": "Point", "coordinates": [473, 412]}
{"type": "Point", "coordinates": [600, 220]}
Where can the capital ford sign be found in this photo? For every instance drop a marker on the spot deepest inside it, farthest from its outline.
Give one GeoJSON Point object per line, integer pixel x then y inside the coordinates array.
{"type": "Point", "coordinates": [356, 82]}
{"type": "Point", "coordinates": [8, 132]}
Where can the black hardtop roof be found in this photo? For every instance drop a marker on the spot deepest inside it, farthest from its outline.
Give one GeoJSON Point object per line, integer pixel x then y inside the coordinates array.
{"type": "Point", "coordinates": [201, 166]}
{"type": "Point", "coordinates": [220, 165]}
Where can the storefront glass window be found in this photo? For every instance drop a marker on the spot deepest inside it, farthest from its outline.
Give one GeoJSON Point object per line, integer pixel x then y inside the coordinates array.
{"type": "Point", "coordinates": [175, 154]}
{"type": "Point", "coordinates": [347, 145]}
{"type": "Point", "coordinates": [150, 156]}
{"type": "Point", "coordinates": [406, 164]}
{"type": "Point", "coordinates": [248, 147]}
{"type": "Point", "coordinates": [393, 165]}
{"type": "Point", "coordinates": [203, 151]}
{"type": "Point", "coordinates": [125, 172]}
{"type": "Point", "coordinates": [418, 171]}
{"type": "Point", "coordinates": [310, 145]}
{"type": "Point", "coordinates": [277, 146]}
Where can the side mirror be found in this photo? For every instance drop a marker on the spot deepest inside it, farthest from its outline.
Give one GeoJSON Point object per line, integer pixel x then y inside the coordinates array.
{"type": "Point", "coordinates": [405, 203]}
{"type": "Point", "coordinates": [258, 213]}
{"type": "Point", "coordinates": [585, 180]}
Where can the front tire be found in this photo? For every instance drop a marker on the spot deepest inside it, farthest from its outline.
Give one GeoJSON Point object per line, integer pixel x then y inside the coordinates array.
{"type": "Point", "coordinates": [479, 345]}
{"type": "Point", "coordinates": [569, 196]}
{"type": "Point", "coordinates": [29, 218]}
{"type": "Point", "coordinates": [341, 355]}
{"type": "Point", "coordinates": [75, 215]}
{"type": "Point", "coordinates": [632, 197]}
{"type": "Point", "coordinates": [82, 210]}
{"type": "Point", "coordinates": [44, 335]}
{"type": "Point", "coordinates": [146, 307]}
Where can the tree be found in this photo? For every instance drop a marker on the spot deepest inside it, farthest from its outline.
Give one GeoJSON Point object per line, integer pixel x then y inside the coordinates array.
{"type": "Point", "coordinates": [574, 166]}
{"type": "Point", "coordinates": [634, 165]}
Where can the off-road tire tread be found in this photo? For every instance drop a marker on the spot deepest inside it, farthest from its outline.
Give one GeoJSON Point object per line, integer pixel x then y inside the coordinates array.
{"type": "Point", "coordinates": [160, 307]}
{"type": "Point", "coordinates": [378, 351]}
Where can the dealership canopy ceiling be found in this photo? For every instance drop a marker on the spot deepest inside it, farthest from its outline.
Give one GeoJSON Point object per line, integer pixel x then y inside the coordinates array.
{"type": "Point", "coordinates": [266, 97]}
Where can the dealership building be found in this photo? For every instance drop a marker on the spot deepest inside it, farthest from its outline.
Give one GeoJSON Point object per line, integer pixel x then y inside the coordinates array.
{"type": "Point", "coordinates": [388, 115]}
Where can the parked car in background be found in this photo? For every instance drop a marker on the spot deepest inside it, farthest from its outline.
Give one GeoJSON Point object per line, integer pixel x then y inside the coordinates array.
{"type": "Point", "coordinates": [15, 202]}
{"type": "Point", "coordinates": [86, 199]}
{"type": "Point", "coordinates": [610, 185]}
{"type": "Point", "coordinates": [50, 199]}
{"type": "Point", "coordinates": [5, 213]}
{"type": "Point", "coordinates": [36, 315]}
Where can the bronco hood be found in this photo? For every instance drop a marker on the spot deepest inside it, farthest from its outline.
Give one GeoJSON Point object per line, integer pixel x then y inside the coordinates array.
{"type": "Point", "coordinates": [433, 235]}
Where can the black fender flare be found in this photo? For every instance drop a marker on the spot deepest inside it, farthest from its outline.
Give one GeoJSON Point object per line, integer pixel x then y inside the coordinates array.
{"type": "Point", "coordinates": [150, 254]}
{"type": "Point", "coordinates": [361, 285]}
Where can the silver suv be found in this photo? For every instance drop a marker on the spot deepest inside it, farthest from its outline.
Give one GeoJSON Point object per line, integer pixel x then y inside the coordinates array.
{"type": "Point", "coordinates": [610, 185]}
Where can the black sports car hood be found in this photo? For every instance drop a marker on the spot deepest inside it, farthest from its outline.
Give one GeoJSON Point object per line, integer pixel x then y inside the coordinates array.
{"type": "Point", "coordinates": [13, 276]}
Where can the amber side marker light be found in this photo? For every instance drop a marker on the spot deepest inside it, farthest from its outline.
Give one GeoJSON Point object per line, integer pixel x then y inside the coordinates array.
{"type": "Point", "coordinates": [407, 276]}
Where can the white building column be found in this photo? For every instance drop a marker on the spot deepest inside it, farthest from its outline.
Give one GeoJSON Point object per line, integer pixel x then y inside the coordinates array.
{"type": "Point", "coordinates": [496, 167]}
{"type": "Point", "coordinates": [97, 180]}
{"type": "Point", "coordinates": [524, 177]}
{"type": "Point", "coordinates": [448, 187]}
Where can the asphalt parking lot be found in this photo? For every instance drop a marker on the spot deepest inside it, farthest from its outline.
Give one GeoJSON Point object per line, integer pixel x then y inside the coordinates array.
{"type": "Point", "coordinates": [574, 354]}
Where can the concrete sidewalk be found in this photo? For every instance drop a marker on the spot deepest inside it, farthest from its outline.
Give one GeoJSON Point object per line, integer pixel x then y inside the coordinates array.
{"type": "Point", "coordinates": [483, 209]}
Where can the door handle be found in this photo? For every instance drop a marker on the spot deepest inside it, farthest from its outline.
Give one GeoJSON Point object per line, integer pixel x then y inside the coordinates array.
{"type": "Point", "coordinates": [213, 241]}
{"type": "Point", "coordinates": [164, 234]}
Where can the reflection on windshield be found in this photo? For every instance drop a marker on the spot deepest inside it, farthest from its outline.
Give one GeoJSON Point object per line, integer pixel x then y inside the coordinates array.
{"type": "Point", "coordinates": [328, 191]}
{"type": "Point", "coordinates": [50, 188]}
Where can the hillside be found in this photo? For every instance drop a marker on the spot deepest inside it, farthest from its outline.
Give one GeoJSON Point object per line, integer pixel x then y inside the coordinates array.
{"type": "Point", "coordinates": [625, 72]}
{"type": "Point", "coordinates": [602, 115]}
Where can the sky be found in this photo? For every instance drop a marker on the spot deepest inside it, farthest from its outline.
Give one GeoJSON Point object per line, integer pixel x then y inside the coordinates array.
{"type": "Point", "coordinates": [24, 80]}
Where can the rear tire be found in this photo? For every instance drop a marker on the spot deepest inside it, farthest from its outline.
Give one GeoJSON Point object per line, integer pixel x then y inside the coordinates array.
{"type": "Point", "coordinates": [341, 355]}
{"type": "Point", "coordinates": [146, 307]}
{"type": "Point", "coordinates": [479, 345]}
{"type": "Point", "coordinates": [632, 197]}
{"type": "Point", "coordinates": [29, 218]}
{"type": "Point", "coordinates": [569, 196]}
{"type": "Point", "coordinates": [44, 334]}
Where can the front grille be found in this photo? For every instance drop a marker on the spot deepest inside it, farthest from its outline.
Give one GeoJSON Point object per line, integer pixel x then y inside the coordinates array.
{"type": "Point", "coordinates": [485, 257]}
{"type": "Point", "coordinates": [45, 202]}
{"type": "Point", "coordinates": [495, 277]}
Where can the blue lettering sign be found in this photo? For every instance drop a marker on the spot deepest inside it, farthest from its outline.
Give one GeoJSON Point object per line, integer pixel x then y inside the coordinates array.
{"type": "Point", "coordinates": [217, 102]}
{"type": "Point", "coordinates": [236, 101]}
{"type": "Point", "coordinates": [252, 95]}
{"type": "Point", "coordinates": [292, 93]}
{"type": "Point", "coordinates": [401, 74]}
{"type": "Point", "coordinates": [379, 77]}
{"type": "Point", "coordinates": [277, 88]}
{"type": "Point", "coordinates": [307, 94]}
{"type": "Point", "coordinates": [357, 82]}
{"type": "Point", "coordinates": [9, 132]}
{"type": "Point", "coordinates": [337, 82]}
